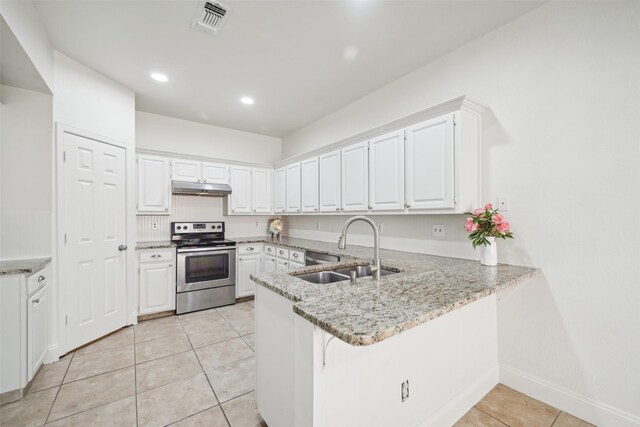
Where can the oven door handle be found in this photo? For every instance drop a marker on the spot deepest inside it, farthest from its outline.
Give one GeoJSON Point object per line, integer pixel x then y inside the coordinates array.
{"type": "Point", "coordinates": [216, 249]}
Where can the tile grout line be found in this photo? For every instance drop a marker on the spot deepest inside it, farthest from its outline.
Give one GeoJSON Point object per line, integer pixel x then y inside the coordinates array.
{"type": "Point", "coordinates": [206, 376]}
{"type": "Point", "coordinates": [556, 418]}
{"type": "Point", "coordinates": [60, 387]}
{"type": "Point", "coordinates": [497, 419]}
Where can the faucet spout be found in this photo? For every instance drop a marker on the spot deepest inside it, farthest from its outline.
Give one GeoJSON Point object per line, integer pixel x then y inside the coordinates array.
{"type": "Point", "coordinates": [342, 242]}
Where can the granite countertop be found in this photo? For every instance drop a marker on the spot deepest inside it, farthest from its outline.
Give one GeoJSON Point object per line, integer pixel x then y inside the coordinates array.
{"type": "Point", "coordinates": [22, 266]}
{"type": "Point", "coordinates": [154, 245]}
{"type": "Point", "coordinates": [425, 287]}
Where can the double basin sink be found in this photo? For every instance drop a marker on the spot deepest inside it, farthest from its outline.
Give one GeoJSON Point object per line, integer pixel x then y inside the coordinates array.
{"type": "Point", "coordinates": [341, 274]}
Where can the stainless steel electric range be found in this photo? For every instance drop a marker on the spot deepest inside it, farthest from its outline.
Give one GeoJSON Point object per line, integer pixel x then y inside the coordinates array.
{"type": "Point", "coordinates": [206, 266]}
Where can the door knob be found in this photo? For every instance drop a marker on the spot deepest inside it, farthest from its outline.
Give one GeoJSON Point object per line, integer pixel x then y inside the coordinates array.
{"type": "Point", "coordinates": [122, 248]}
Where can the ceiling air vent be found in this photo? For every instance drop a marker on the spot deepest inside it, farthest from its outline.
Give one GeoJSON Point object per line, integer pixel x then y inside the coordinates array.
{"type": "Point", "coordinates": [210, 17]}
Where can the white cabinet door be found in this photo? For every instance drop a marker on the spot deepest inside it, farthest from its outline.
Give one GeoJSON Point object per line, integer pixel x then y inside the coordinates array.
{"type": "Point", "coordinates": [246, 266]}
{"type": "Point", "coordinates": [386, 172]}
{"type": "Point", "coordinates": [282, 265]}
{"type": "Point", "coordinates": [429, 164]}
{"type": "Point", "coordinates": [293, 187]}
{"type": "Point", "coordinates": [330, 187]}
{"type": "Point", "coordinates": [157, 287]}
{"type": "Point", "coordinates": [186, 170]}
{"type": "Point", "coordinates": [295, 265]}
{"type": "Point", "coordinates": [154, 184]}
{"type": "Point", "coordinates": [261, 190]}
{"type": "Point", "coordinates": [215, 173]}
{"type": "Point", "coordinates": [280, 190]}
{"type": "Point", "coordinates": [269, 264]}
{"type": "Point", "coordinates": [240, 189]}
{"type": "Point", "coordinates": [309, 194]}
{"type": "Point", "coordinates": [37, 330]}
{"type": "Point", "coordinates": [355, 185]}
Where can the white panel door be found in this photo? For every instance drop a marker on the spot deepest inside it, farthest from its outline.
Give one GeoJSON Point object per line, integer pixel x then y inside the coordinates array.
{"type": "Point", "coordinates": [309, 193]}
{"type": "Point", "coordinates": [93, 265]}
{"type": "Point", "coordinates": [154, 184]}
{"type": "Point", "coordinates": [330, 183]}
{"type": "Point", "coordinates": [293, 188]}
{"type": "Point", "coordinates": [186, 170]}
{"type": "Point", "coordinates": [215, 173]}
{"type": "Point", "coordinates": [280, 190]}
{"type": "Point", "coordinates": [38, 308]}
{"type": "Point", "coordinates": [355, 180]}
{"type": "Point", "coordinates": [240, 189]}
{"type": "Point", "coordinates": [261, 190]}
{"type": "Point", "coordinates": [429, 164]}
{"type": "Point", "coordinates": [157, 287]}
{"type": "Point", "coordinates": [246, 266]}
{"type": "Point", "coordinates": [386, 172]}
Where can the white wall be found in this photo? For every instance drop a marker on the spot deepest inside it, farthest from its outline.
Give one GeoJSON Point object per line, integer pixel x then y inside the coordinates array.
{"type": "Point", "coordinates": [87, 100]}
{"type": "Point", "coordinates": [192, 208]}
{"type": "Point", "coordinates": [25, 173]}
{"type": "Point", "coordinates": [561, 140]}
{"type": "Point", "coordinates": [24, 20]}
{"type": "Point", "coordinates": [154, 132]}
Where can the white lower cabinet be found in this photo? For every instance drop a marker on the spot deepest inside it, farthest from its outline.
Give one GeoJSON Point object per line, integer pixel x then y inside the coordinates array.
{"type": "Point", "coordinates": [282, 264]}
{"type": "Point", "coordinates": [269, 264]}
{"type": "Point", "coordinates": [246, 265]}
{"type": "Point", "coordinates": [157, 281]}
{"type": "Point", "coordinates": [38, 307]}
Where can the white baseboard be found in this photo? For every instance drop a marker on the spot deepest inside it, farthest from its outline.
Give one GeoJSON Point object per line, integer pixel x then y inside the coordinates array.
{"type": "Point", "coordinates": [451, 412]}
{"type": "Point", "coordinates": [590, 410]}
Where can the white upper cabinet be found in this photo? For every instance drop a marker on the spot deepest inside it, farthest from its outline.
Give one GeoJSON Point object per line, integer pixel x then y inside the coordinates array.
{"type": "Point", "coordinates": [309, 194]}
{"type": "Point", "coordinates": [429, 164]}
{"type": "Point", "coordinates": [154, 185]}
{"type": "Point", "coordinates": [240, 197]}
{"type": "Point", "coordinates": [293, 187]}
{"type": "Point", "coordinates": [330, 188]}
{"type": "Point", "coordinates": [386, 172]}
{"type": "Point", "coordinates": [261, 190]}
{"type": "Point", "coordinates": [355, 182]}
{"type": "Point", "coordinates": [215, 173]}
{"type": "Point", "coordinates": [186, 170]}
{"type": "Point", "coordinates": [280, 190]}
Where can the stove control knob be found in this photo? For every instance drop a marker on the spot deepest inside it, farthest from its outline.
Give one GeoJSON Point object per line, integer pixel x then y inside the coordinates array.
{"type": "Point", "coordinates": [179, 228]}
{"type": "Point", "coordinates": [219, 227]}
{"type": "Point", "coordinates": [213, 226]}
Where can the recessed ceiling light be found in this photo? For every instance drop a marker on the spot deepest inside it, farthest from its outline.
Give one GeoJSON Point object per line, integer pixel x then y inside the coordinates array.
{"type": "Point", "coordinates": [246, 100]}
{"type": "Point", "coordinates": [159, 77]}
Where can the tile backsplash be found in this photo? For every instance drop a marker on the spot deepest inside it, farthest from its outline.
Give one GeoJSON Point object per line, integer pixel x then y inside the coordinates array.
{"type": "Point", "coordinates": [193, 208]}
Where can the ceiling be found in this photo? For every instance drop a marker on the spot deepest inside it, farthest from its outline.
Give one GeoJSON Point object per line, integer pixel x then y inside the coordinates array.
{"type": "Point", "coordinates": [16, 69]}
{"type": "Point", "coordinates": [299, 60]}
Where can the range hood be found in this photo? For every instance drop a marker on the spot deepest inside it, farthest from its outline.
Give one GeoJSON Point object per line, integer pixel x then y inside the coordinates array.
{"type": "Point", "coordinates": [200, 189]}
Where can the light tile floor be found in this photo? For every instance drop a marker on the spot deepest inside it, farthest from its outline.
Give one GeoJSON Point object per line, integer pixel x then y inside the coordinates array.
{"type": "Point", "coordinates": [195, 369]}
{"type": "Point", "coordinates": [503, 406]}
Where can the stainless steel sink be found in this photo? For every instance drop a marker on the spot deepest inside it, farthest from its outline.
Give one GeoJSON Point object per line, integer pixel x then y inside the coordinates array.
{"type": "Point", "coordinates": [323, 277]}
{"type": "Point", "coordinates": [363, 271]}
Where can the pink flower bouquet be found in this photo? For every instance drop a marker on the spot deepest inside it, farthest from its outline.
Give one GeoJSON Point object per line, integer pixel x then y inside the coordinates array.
{"type": "Point", "coordinates": [487, 222]}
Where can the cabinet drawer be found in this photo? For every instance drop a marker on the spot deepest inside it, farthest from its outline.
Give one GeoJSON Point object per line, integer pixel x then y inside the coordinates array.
{"type": "Point", "coordinates": [37, 280]}
{"type": "Point", "coordinates": [296, 256]}
{"type": "Point", "coordinates": [282, 253]}
{"type": "Point", "coordinates": [248, 249]}
{"type": "Point", "coordinates": [157, 255]}
{"type": "Point", "coordinates": [270, 250]}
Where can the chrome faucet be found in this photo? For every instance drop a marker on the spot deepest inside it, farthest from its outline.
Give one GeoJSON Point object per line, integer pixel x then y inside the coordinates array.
{"type": "Point", "coordinates": [342, 242]}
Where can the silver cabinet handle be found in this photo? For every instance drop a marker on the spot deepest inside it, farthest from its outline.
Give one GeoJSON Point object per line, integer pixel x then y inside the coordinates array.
{"type": "Point", "coordinates": [122, 248]}
{"type": "Point", "coordinates": [297, 210]}
{"type": "Point", "coordinates": [370, 208]}
{"type": "Point", "coordinates": [36, 301]}
{"type": "Point", "coordinates": [156, 256]}
{"type": "Point", "coordinates": [407, 205]}
{"type": "Point", "coordinates": [41, 278]}
{"type": "Point", "coordinates": [295, 255]}
{"type": "Point", "coordinates": [268, 249]}
{"type": "Point", "coordinates": [281, 252]}
{"type": "Point", "coordinates": [337, 209]}
{"type": "Point", "coordinates": [170, 265]}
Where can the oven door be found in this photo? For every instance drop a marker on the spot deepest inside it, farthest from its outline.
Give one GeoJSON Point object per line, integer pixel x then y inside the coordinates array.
{"type": "Point", "coordinates": [204, 268]}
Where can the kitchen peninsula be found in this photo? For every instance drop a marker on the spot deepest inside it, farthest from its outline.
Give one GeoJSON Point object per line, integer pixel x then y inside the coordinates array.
{"type": "Point", "coordinates": [416, 348]}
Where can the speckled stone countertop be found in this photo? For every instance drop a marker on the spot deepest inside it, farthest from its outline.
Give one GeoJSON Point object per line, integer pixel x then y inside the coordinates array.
{"type": "Point", "coordinates": [22, 266]}
{"type": "Point", "coordinates": [154, 245]}
{"type": "Point", "coordinates": [368, 312]}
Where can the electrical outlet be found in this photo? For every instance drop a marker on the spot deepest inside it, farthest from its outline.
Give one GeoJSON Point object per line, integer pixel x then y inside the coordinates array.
{"type": "Point", "coordinates": [154, 225]}
{"type": "Point", "coordinates": [438, 230]}
{"type": "Point", "coordinates": [257, 223]}
{"type": "Point", "coordinates": [503, 203]}
{"type": "Point", "coordinates": [381, 227]}
{"type": "Point", "coordinates": [405, 390]}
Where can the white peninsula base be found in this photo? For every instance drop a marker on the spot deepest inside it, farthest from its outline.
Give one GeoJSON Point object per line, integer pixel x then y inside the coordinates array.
{"type": "Point", "coordinates": [450, 363]}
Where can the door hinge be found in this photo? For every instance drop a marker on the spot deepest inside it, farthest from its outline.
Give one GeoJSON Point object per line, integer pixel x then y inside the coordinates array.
{"type": "Point", "coordinates": [66, 320]}
{"type": "Point", "coordinates": [65, 238]}
{"type": "Point", "coordinates": [64, 156]}
{"type": "Point", "coordinates": [454, 119]}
